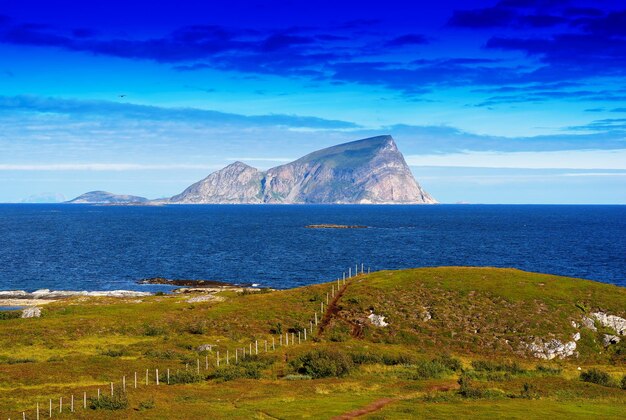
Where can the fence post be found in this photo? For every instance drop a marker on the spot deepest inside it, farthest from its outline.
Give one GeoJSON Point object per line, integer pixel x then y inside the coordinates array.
{"type": "Point", "coordinates": [305, 334]}
{"type": "Point", "coordinates": [61, 405]}
{"type": "Point", "coordinates": [146, 376]}
{"type": "Point", "coordinates": [316, 319]}
{"type": "Point", "coordinates": [227, 358]}
{"type": "Point", "coordinates": [311, 326]}
{"type": "Point", "coordinates": [256, 346]}
{"type": "Point", "coordinates": [298, 337]}
{"type": "Point", "coordinates": [98, 393]}
{"type": "Point", "coordinates": [281, 340]}
{"type": "Point", "coordinates": [273, 344]}
{"type": "Point", "coordinates": [236, 356]}
{"type": "Point", "coordinates": [168, 376]}
{"type": "Point", "coordinates": [72, 404]}
{"type": "Point", "coordinates": [37, 411]}
{"type": "Point", "coordinates": [206, 362]}
{"type": "Point", "coordinates": [218, 358]}
{"type": "Point", "coordinates": [250, 353]}
{"type": "Point", "coordinates": [50, 407]}
{"type": "Point", "coordinates": [111, 388]}
{"type": "Point", "coordinates": [156, 375]}
{"type": "Point", "coordinates": [84, 400]}
{"type": "Point", "coordinates": [293, 338]}
{"type": "Point", "coordinates": [198, 366]}
{"type": "Point", "coordinates": [135, 380]}
{"type": "Point", "coordinates": [124, 383]}
{"type": "Point", "coordinates": [265, 346]}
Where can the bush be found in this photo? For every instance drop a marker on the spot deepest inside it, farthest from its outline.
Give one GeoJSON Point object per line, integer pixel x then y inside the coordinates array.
{"type": "Point", "coordinates": [151, 330]}
{"type": "Point", "coordinates": [323, 364]}
{"type": "Point", "coordinates": [117, 401]}
{"type": "Point", "coordinates": [339, 333]}
{"type": "Point", "coordinates": [427, 370]}
{"type": "Point", "coordinates": [489, 366]}
{"type": "Point", "coordinates": [596, 376]}
{"type": "Point", "coordinates": [251, 370]}
{"type": "Point", "coordinates": [199, 327]}
{"type": "Point", "coordinates": [146, 405]}
{"type": "Point", "coordinates": [16, 360]}
{"type": "Point", "coordinates": [529, 391]}
{"type": "Point", "coordinates": [114, 352]}
{"type": "Point", "coordinates": [623, 382]}
{"type": "Point", "coordinates": [10, 314]}
{"type": "Point", "coordinates": [186, 376]}
{"type": "Point", "coordinates": [547, 370]}
{"type": "Point", "coordinates": [467, 390]}
{"type": "Point", "coordinates": [450, 362]}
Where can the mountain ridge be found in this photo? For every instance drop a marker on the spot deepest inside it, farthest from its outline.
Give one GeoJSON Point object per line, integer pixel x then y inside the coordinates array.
{"type": "Point", "coordinates": [366, 171]}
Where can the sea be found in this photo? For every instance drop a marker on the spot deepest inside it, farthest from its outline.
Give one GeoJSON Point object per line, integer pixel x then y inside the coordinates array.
{"type": "Point", "coordinates": [91, 247]}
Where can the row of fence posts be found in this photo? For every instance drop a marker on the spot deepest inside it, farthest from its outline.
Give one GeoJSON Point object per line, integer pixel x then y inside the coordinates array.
{"type": "Point", "coordinates": [302, 336]}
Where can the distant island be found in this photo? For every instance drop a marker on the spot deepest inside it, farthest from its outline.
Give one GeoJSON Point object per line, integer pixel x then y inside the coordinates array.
{"type": "Point", "coordinates": [369, 171]}
{"type": "Point", "coordinates": [331, 226]}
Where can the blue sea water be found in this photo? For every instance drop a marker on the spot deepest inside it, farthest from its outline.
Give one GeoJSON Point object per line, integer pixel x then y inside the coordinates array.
{"type": "Point", "coordinates": [83, 247]}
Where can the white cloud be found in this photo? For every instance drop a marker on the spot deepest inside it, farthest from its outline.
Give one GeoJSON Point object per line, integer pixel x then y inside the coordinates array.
{"type": "Point", "coordinates": [568, 159]}
{"type": "Point", "coordinates": [99, 167]}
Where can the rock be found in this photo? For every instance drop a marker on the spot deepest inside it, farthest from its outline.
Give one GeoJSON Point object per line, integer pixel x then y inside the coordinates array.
{"type": "Point", "coordinates": [552, 349]}
{"type": "Point", "coordinates": [589, 323]}
{"type": "Point", "coordinates": [103, 197]}
{"type": "Point", "coordinates": [576, 336]}
{"type": "Point", "coordinates": [608, 339]}
{"type": "Point", "coordinates": [204, 347]}
{"type": "Point", "coordinates": [32, 312]}
{"type": "Point", "coordinates": [611, 321]}
{"type": "Point", "coordinates": [377, 320]}
{"type": "Point", "coordinates": [575, 325]}
{"type": "Point", "coordinates": [205, 298]}
{"type": "Point", "coordinates": [426, 316]}
{"type": "Point", "coordinates": [369, 171]}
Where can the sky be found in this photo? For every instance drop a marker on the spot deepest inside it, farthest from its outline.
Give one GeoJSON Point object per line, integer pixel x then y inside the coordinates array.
{"type": "Point", "coordinates": [510, 101]}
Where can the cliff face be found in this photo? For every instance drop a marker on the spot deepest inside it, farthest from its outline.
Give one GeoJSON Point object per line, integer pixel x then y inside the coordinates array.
{"type": "Point", "coordinates": [370, 171]}
{"type": "Point", "coordinates": [103, 197]}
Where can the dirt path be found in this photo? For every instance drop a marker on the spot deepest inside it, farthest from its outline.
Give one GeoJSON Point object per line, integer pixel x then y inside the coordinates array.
{"type": "Point", "coordinates": [370, 408]}
{"type": "Point", "coordinates": [332, 309]}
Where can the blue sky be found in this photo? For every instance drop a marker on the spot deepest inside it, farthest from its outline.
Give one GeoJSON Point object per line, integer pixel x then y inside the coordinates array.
{"type": "Point", "coordinates": [511, 101]}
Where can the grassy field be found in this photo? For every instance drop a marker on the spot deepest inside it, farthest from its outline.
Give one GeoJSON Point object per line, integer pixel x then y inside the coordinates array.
{"type": "Point", "coordinates": [455, 345]}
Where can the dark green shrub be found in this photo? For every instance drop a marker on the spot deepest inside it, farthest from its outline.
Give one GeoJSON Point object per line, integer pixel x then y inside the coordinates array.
{"type": "Point", "coordinates": [114, 352]}
{"type": "Point", "coordinates": [16, 360]}
{"type": "Point", "coordinates": [199, 327]}
{"type": "Point", "coordinates": [323, 363]}
{"type": "Point", "coordinates": [427, 370]}
{"type": "Point", "coordinates": [529, 391]}
{"type": "Point", "coordinates": [165, 354]}
{"type": "Point", "coordinates": [450, 362]}
{"type": "Point", "coordinates": [146, 405]}
{"type": "Point", "coordinates": [467, 389]}
{"type": "Point", "coordinates": [548, 370]}
{"type": "Point", "coordinates": [117, 401]}
{"type": "Point", "coordinates": [241, 371]}
{"type": "Point", "coordinates": [365, 358]}
{"type": "Point", "coordinates": [277, 328]}
{"type": "Point", "coordinates": [596, 376]}
{"type": "Point", "coordinates": [10, 314]}
{"type": "Point", "coordinates": [152, 330]}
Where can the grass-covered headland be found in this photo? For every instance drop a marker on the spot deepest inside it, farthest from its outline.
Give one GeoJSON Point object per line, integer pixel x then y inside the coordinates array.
{"type": "Point", "coordinates": [432, 343]}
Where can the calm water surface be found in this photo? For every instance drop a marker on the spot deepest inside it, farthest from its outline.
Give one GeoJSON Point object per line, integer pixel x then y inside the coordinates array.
{"type": "Point", "coordinates": [82, 247]}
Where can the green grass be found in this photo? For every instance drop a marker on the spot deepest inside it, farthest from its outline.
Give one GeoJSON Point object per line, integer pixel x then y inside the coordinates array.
{"type": "Point", "coordinates": [480, 317]}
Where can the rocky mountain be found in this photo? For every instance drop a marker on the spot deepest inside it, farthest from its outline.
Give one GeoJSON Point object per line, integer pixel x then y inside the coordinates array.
{"type": "Point", "coordinates": [103, 197]}
{"type": "Point", "coordinates": [369, 171]}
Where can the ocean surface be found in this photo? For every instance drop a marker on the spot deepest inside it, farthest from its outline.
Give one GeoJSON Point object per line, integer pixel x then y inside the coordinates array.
{"type": "Point", "coordinates": [83, 247]}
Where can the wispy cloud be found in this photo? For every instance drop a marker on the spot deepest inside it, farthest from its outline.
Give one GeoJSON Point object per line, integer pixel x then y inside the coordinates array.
{"type": "Point", "coordinates": [108, 110]}
{"type": "Point", "coordinates": [107, 167]}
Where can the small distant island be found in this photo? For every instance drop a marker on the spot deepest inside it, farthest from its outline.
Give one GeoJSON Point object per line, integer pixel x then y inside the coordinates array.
{"type": "Point", "coordinates": [332, 226]}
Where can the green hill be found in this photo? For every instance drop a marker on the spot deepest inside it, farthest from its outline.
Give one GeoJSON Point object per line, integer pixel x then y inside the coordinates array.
{"type": "Point", "coordinates": [432, 342]}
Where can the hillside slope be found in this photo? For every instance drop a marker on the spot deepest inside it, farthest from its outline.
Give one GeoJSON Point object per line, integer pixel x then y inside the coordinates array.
{"type": "Point", "coordinates": [376, 350]}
